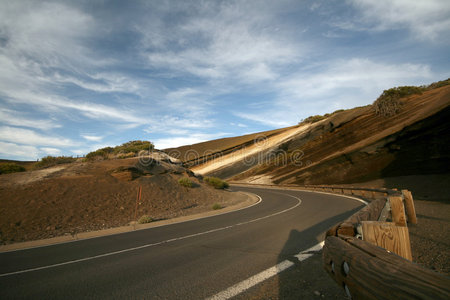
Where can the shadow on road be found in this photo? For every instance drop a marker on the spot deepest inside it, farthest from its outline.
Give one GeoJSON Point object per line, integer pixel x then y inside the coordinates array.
{"type": "Point", "coordinates": [307, 279]}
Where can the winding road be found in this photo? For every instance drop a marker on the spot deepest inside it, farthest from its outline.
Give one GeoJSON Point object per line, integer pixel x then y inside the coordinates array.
{"type": "Point", "coordinates": [215, 257]}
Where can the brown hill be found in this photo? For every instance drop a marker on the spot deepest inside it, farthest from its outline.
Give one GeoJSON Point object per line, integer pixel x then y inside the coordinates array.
{"type": "Point", "coordinates": [86, 196]}
{"type": "Point", "coordinates": [350, 146]}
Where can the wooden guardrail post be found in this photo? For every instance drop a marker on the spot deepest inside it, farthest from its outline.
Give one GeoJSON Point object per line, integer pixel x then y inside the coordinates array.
{"type": "Point", "coordinates": [398, 210]}
{"type": "Point", "coordinates": [409, 205]}
{"type": "Point", "coordinates": [388, 236]}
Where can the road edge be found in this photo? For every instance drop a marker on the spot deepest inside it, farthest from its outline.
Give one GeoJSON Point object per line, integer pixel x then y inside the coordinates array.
{"type": "Point", "coordinates": [249, 201]}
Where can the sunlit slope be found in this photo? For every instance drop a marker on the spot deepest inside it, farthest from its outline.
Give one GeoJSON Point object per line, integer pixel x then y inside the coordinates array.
{"type": "Point", "coordinates": [359, 145]}
{"type": "Point", "coordinates": [348, 146]}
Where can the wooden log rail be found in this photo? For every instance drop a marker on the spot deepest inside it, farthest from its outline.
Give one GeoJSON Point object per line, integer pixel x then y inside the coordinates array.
{"type": "Point", "coordinates": [371, 258]}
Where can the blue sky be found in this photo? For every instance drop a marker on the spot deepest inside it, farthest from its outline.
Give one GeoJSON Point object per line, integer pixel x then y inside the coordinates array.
{"type": "Point", "coordinates": [76, 76]}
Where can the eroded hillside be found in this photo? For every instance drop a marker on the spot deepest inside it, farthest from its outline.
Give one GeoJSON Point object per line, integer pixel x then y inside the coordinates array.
{"type": "Point", "coordinates": [349, 146]}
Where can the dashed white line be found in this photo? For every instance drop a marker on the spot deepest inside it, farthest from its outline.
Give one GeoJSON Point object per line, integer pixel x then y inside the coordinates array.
{"type": "Point", "coordinates": [153, 244]}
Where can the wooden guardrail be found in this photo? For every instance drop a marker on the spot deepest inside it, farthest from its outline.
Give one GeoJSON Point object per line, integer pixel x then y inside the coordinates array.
{"type": "Point", "coordinates": [369, 254]}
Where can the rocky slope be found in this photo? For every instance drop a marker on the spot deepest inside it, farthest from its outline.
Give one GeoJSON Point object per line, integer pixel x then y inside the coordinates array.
{"type": "Point", "coordinates": [350, 146]}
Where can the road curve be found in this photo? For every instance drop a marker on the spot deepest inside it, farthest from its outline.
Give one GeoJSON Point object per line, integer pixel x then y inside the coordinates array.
{"type": "Point", "coordinates": [191, 260]}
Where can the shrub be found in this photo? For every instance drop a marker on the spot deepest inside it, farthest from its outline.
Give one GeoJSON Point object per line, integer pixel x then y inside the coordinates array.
{"type": "Point", "coordinates": [145, 219]}
{"type": "Point", "coordinates": [317, 118]}
{"type": "Point", "coordinates": [314, 119]}
{"type": "Point", "coordinates": [97, 154]}
{"type": "Point", "coordinates": [186, 182]}
{"type": "Point", "coordinates": [129, 149]}
{"type": "Point", "coordinates": [389, 104]}
{"type": "Point", "coordinates": [6, 168]}
{"type": "Point", "coordinates": [134, 147]}
{"type": "Point", "coordinates": [127, 155]}
{"type": "Point", "coordinates": [439, 84]}
{"type": "Point", "coordinates": [216, 182]}
{"type": "Point", "coordinates": [216, 206]}
{"type": "Point", "coordinates": [50, 161]}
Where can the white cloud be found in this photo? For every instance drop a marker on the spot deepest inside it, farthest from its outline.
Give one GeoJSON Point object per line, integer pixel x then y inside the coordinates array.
{"type": "Point", "coordinates": [15, 118]}
{"type": "Point", "coordinates": [15, 151]}
{"type": "Point", "coordinates": [270, 118]}
{"type": "Point", "coordinates": [30, 137]}
{"type": "Point", "coordinates": [92, 138]}
{"type": "Point", "coordinates": [359, 75]}
{"type": "Point", "coordinates": [428, 19]}
{"type": "Point", "coordinates": [168, 123]}
{"type": "Point", "coordinates": [238, 125]}
{"type": "Point", "coordinates": [50, 151]}
{"type": "Point", "coordinates": [177, 141]}
{"type": "Point", "coordinates": [233, 43]}
{"type": "Point", "coordinates": [45, 49]}
{"type": "Point", "coordinates": [49, 102]}
{"type": "Point", "coordinates": [342, 84]}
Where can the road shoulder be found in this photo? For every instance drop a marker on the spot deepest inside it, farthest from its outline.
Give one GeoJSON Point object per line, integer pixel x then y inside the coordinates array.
{"type": "Point", "coordinates": [242, 200]}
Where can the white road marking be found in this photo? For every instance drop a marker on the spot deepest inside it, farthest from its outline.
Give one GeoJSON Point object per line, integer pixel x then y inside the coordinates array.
{"type": "Point", "coordinates": [176, 222]}
{"type": "Point", "coordinates": [264, 275]}
{"type": "Point", "coordinates": [153, 244]}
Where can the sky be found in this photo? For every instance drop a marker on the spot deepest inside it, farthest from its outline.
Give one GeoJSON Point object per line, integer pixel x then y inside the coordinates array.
{"type": "Point", "coordinates": [76, 76]}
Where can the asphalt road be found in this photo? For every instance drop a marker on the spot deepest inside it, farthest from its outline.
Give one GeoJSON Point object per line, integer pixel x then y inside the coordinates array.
{"type": "Point", "coordinates": [190, 260]}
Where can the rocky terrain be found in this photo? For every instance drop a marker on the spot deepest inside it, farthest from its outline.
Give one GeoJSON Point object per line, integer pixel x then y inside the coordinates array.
{"type": "Point", "coordinates": [358, 147]}
{"type": "Point", "coordinates": [350, 146]}
{"type": "Point", "coordinates": [85, 196]}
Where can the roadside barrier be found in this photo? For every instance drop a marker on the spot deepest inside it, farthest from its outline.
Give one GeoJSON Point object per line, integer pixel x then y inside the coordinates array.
{"type": "Point", "coordinates": [369, 254]}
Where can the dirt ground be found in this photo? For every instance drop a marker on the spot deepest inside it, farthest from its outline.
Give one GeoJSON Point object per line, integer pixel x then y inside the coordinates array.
{"type": "Point", "coordinates": [81, 197]}
{"type": "Point", "coordinates": [430, 237]}
{"type": "Point", "coordinates": [87, 196]}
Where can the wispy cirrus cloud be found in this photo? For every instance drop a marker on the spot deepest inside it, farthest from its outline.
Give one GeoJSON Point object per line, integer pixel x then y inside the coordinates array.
{"type": "Point", "coordinates": [30, 137]}
{"type": "Point", "coordinates": [16, 118]}
{"type": "Point", "coordinates": [232, 44]}
{"type": "Point", "coordinates": [176, 141]}
{"type": "Point", "coordinates": [15, 151]}
{"type": "Point", "coordinates": [341, 84]}
{"type": "Point", "coordinates": [103, 73]}
{"type": "Point", "coordinates": [427, 20]}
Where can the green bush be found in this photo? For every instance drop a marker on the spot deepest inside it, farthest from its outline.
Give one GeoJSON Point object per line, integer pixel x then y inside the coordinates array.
{"type": "Point", "coordinates": [186, 182]}
{"type": "Point", "coordinates": [145, 219]}
{"type": "Point", "coordinates": [50, 161]}
{"type": "Point", "coordinates": [216, 206]}
{"type": "Point", "coordinates": [6, 168]}
{"type": "Point", "coordinates": [216, 182]}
